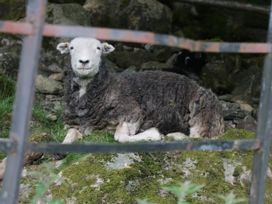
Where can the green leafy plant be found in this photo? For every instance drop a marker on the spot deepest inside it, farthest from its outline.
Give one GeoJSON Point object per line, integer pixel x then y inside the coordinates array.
{"type": "Point", "coordinates": [43, 186]}
{"type": "Point", "coordinates": [230, 198]}
{"type": "Point", "coordinates": [187, 188]}
{"type": "Point", "coordinates": [183, 190]}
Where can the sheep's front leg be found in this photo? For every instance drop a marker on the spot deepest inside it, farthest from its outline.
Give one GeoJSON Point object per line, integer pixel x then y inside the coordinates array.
{"type": "Point", "coordinates": [72, 135]}
{"type": "Point", "coordinates": [151, 134]}
{"type": "Point", "coordinates": [125, 132]}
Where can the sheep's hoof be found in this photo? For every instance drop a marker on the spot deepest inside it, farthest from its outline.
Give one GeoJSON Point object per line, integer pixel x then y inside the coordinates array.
{"type": "Point", "coordinates": [153, 134]}
{"type": "Point", "coordinates": [176, 136]}
{"type": "Point", "coordinates": [72, 135]}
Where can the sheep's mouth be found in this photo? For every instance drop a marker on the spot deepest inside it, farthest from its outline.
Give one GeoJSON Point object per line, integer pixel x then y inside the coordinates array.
{"type": "Point", "coordinates": [84, 68]}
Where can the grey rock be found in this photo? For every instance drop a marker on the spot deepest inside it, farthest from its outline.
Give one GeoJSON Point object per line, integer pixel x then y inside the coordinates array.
{"type": "Point", "coordinates": [98, 182]}
{"type": "Point", "coordinates": [10, 50]}
{"type": "Point", "coordinates": [163, 53]}
{"type": "Point", "coordinates": [57, 76]}
{"type": "Point", "coordinates": [100, 11]}
{"type": "Point", "coordinates": [67, 1]}
{"type": "Point", "coordinates": [68, 14]}
{"type": "Point", "coordinates": [122, 161]}
{"type": "Point", "coordinates": [217, 75]}
{"type": "Point", "coordinates": [55, 68]}
{"type": "Point", "coordinates": [245, 107]}
{"type": "Point", "coordinates": [48, 86]}
{"type": "Point", "coordinates": [153, 65]}
{"type": "Point", "coordinates": [164, 181]}
{"type": "Point", "coordinates": [200, 22]}
{"type": "Point", "coordinates": [131, 69]}
{"type": "Point", "coordinates": [132, 14]}
{"type": "Point", "coordinates": [229, 168]}
{"type": "Point", "coordinates": [245, 177]}
{"type": "Point", "coordinates": [183, 12]}
{"type": "Point", "coordinates": [52, 103]}
{"type": "Point", "coordinates": [12, 10]}
{"type": "Point", "coordinates": [57, 106]}
{"type": "Point", "coordinates": [124, 58]}
{"type": "Point", "coordinates": [226, 97]}
{"type": "Point", "coordinates": [132, 185]}
{"type": "Point", "coordinates": [236, 116]}
{"type": "Point", "coordinates": [248, 80]}
{"type": "Point", "coordinates": [112, 66]}
{"type": "Point", "coordinates": [248, 123]}
{"type": "Point", "coordinates": [52, 61]}
{"type": "Point", "coordinates": [232, 111]}
{"type": "Point", "coordinates": [239, 76]}
{"type": "Point", "coordinates": [188, 166]}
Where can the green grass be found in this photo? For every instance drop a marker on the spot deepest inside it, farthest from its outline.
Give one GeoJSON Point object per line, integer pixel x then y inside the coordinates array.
{"type": "Point", "coordinates": [7, 90]}
{"type": "Point", "coordinates": [99, 137]}
{"type": "Point", "coordinates": [5, 116]}
{"type": "Point", "coordinates": [41, 123]}
{"type": "Point", "coordinates": [7, 87]}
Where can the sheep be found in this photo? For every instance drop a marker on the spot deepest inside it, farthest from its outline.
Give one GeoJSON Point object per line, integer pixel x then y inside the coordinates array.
{"type": "Point", "coordinates": [140, 106]}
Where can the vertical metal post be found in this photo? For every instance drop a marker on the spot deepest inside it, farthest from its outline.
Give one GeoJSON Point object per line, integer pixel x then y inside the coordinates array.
{"type": "Point", "coordinates": [264, 131]}
{"type": "Point", "coordinates": [23, 100]}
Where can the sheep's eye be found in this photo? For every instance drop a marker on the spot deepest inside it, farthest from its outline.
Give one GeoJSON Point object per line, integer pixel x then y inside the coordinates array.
{"type": "Point", "coordinates": [71, 48]}
{"type": "Point", "coordinates": [99, 48]}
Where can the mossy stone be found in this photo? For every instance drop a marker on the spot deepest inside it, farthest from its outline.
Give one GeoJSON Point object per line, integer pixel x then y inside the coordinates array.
{"type": "Point", "coordinates": [81, 176]}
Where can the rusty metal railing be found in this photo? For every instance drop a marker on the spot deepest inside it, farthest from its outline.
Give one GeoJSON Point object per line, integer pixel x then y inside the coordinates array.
{"type": "Point", "coordinates": [33, 30]}
{"type": "Point", "coordinates": [136, 37]}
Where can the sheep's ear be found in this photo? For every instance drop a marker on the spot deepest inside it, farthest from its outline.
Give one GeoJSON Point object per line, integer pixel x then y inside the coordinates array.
{"type": "Point", "coordinates": [107, 48]}
{"type": "Point", "coordinates": [63, 47]}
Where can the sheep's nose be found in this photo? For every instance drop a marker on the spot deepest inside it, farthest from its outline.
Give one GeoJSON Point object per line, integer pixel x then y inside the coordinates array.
{"type": "Point", "coordinates": [84, 61]}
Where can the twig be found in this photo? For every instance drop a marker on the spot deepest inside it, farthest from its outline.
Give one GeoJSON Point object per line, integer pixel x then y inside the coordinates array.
{"type": "Point", "coordinates": [231, 4]}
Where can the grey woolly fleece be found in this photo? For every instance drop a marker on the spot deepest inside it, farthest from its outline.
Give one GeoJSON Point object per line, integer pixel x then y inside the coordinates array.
{"type": "Point", "coordinates": [167, 101]}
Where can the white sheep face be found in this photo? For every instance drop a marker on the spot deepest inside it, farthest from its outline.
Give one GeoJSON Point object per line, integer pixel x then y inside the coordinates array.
{"type": "Point", "coordinates": [85, 55]}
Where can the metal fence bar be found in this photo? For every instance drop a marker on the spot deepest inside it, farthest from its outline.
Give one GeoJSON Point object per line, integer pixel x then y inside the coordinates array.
{"type": "Point", "coordinates": [22, 28]}
{"type": "Point", "coordinates": [137, 37]}
{"type": "Point", "coordinates": [264, 130]}
{"type": "Point", "coordinates": [16, 145]}
{"type": "Point", "coordinates": [236, 145]}
{"type": "Point", "coordinates": [9, 146]}
{"type": "Point", "coordinates": [23, 101]}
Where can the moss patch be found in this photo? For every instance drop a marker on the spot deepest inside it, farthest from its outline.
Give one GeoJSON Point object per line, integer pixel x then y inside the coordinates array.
{"type": "Point", "coordinates": [88, 180]}
{"type": "Point", "coordinates": [236, 134]}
